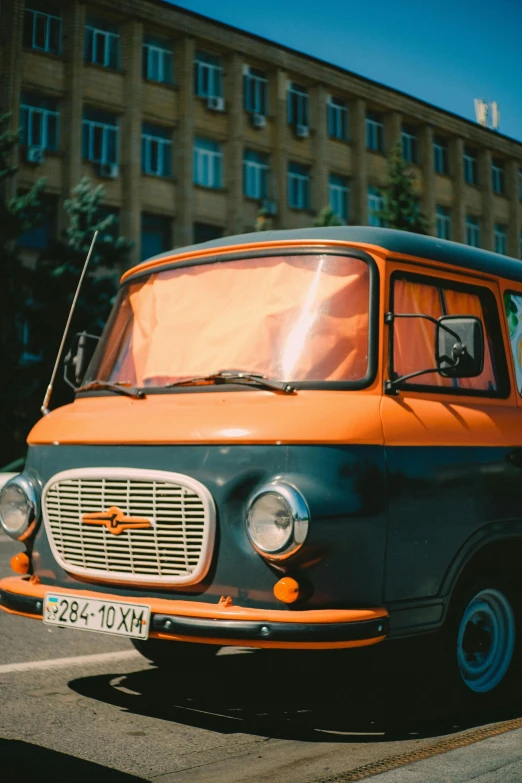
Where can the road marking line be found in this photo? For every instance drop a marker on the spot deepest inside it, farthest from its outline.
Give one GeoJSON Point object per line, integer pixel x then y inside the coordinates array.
{"type": "Point", "coordinates": [77, 660]}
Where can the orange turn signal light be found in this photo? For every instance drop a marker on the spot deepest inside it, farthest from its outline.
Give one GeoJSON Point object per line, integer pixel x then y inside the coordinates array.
{"type": "Point", "coordinates": [20, 563]}
{"type": "Point", "coordinates": [287, 590]}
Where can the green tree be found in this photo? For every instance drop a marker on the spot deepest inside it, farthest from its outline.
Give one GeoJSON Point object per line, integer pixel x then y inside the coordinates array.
{"type": "Point", "coordinates": [59, 268]}
{"type": "Point", "coordinates": [263, 221]}
{"type": "Point", "coordinates": [327, 217]}
{"type": "Point", "coordinates": [401, 207]}
{"type": "Point", "coordinates": [17, 215]}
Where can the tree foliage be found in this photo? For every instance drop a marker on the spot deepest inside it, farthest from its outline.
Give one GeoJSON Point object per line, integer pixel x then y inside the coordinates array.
{"type": "Point", "coordinates": [327, 217]}
{"type": "Point", "coordinates": [17, 214]}
{"type": "Point", "coordinates": [401, 207]}
{"type": "Point", "coordinates": [35, 298]}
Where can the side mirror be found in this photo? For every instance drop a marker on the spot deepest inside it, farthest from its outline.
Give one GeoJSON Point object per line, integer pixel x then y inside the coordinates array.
{"type": "Point", "coordinates": [78, 357]}
{"type": "Point", "coordinates": [459, 346]}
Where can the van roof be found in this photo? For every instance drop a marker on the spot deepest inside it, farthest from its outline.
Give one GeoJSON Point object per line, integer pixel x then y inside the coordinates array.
{"type": "Point", "coordinates": [395, 241]}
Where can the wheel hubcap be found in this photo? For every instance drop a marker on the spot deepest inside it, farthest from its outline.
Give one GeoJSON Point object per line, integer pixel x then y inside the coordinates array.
{"type": "Point", "coordinates": [486, 640]}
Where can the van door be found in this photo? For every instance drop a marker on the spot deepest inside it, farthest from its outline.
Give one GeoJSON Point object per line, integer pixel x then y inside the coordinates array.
{"type": "Point", "coordinates": [447, 441]}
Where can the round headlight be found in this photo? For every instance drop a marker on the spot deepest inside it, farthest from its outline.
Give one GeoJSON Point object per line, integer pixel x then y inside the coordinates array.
{"type": "Point", "coordinates": [19, 506]}
{"type": "Point", "coordinates": [277, 520]}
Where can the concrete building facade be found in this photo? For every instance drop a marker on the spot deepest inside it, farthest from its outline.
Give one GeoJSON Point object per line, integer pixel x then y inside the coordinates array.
{"type": "Point", "coordinates": [193, 126]}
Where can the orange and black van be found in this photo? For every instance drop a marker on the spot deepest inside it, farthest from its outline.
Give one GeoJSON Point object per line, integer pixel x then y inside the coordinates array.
{"type": "Point", "coordinates": [304, 439]}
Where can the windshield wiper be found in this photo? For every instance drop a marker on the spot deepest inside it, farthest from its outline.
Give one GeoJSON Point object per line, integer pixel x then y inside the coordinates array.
{"type": "Point", "coordinates": [237, 376]}
{"type": "Point", "coordinates": [120, 387]}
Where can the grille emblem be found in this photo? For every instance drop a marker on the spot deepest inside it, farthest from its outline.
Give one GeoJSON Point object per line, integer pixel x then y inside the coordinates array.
{"type": "Point", "coordinates": [115, 520]}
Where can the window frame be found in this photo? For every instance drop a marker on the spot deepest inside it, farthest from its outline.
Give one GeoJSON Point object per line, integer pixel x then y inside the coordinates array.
{"type": "Point", "coordinates": [440, 154]}
{"type": "Point", "coordinates": [164, 153]}
{"type": "Point", "coordinates": [374, 196]}
{"type": "Point", "coordinates": [444, 218]}
{"type": "Point", "coordinates": [255, 86]}
{"type": "Point", "coordinates": [337, 118]}
{"type": "Point", "coordinates": [214, 160]}
{"type": "Point", "coordinates": [476, 227]}
{"type": "Point", "coordinates": [165, 62]}
{"type": "Point", "coordinates": [303, 184]}
{"type": "Point", "coordinates": [45, 115]}
{"type": "Point", "coordinates": [470, 161]}
{"type": "Point", "coordinates": [298, 105]}
{"type": "Point", "coordinates": [342, 192]}
{"type": "Point", "coordinates": [106, 130]}
{"type": "Point", "coordinates": [409, 144]}
{"type": "Point", "coordinates": [111, 39]}
{"type": "Point", "coordinates": [492, 325]}
{"type": "Point", "coordinates": [374, 130]}
{"type": "Point", "coordinates": [48, 17]}
{"type": "Point", "coordinates": [214, 76]}
{"type": "Point", "coordinates": [498, 180]}
{"type": "Point", "coordinates": [257, 172]}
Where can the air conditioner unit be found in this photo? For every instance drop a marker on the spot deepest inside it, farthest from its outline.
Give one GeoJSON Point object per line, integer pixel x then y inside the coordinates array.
{"type": "Point", "coordinates": [258, 120]}
{"type": "Point", "coordinates": [215, 104]}
{"type": "Point", "coordinates": [302, 131]}
{"type": "Point", "coordinates": [35, 155]}
{"type": "Point", "coordinates": [109, 170]}
{"type": "Point", "coordinates": [269, 207]}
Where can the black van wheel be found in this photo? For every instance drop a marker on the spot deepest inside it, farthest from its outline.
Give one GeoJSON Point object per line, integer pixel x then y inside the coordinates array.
{"type": "Point", "coordinates": [164, 653]}
{"type": "Point", "coordinates": [479, 648]}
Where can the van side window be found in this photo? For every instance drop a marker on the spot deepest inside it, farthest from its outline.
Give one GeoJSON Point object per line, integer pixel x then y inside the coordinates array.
{"type": "Point", "coordinates": [513, 305]}
{"type": "Point", "coordinates": [414, 339]}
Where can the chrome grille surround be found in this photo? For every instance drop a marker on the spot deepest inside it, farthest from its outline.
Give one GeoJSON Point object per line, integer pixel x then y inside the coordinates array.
{"type": "Point", "coordinates": [175, 550]}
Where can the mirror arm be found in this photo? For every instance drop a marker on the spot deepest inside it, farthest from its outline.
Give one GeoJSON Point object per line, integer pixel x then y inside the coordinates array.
{"type": "Point", "coordinates": [390, 387]}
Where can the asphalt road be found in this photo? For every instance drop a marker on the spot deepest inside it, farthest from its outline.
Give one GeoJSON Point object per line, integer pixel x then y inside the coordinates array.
{"type": "Point", "coordinates": [80, 706]}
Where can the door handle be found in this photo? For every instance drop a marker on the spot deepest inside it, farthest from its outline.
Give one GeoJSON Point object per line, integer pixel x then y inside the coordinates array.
{"type": "Point", "coordinates": [515, 458]}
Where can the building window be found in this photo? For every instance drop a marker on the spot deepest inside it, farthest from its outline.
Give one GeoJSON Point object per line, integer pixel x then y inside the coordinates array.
{"type": "Point", "coordinates": [409, 144]}
{"type": "Point", "coordinates": [374, 131]}
{"type": "Point", "coordinates": [298, 186]}
{"type": "Point", "coordinates": [102, 44]}
{"type": "Point", "coordinates": [497, 176]}
{"type": "Point", "coordinates": [472, 231]}
{"type": "Point", "coordinates": [157, 61]}
{"type": "Point", "coordinates": [255, 168]}
{"type": "Point", "coordinates": [205, 232]}
{"type": "Point", "coordinates": [43, 27]}
{"type": "Point", "coordinates": [298, 105]}
{"type": "Point", "coordinates": [99, 136]}
{"type": "Point", "coordinates": [156, 150]}
{"type": "Point", "coordinates": [255, 90]}
{"type": "Point", "coordinates": [339, 195]}
{"type": "Point", "coordinates": [375, 204]}
{"type": "Point", "coordinates": [520, 184]}
{"type": "Point", "coordinates": [39, 121]}
{"type": "Point", "coordinates": [43, 229]}
{"type": "Point", "coordinates": [440, 155]}
{"type": "Point", "coordinates": [470, 166]}
{"type": "Point", "coordinates": [208, 163]}
{"type": "Point", "coordinates": [443, 222]}
{"type": "Point", "coordinates": [208, 75]}
{"type": "Point", "coordinates": [337, 118]}
{"type": "Point", "coordinates": [500, 236]}
{"type": "Point", "coordinates": [156, 235]}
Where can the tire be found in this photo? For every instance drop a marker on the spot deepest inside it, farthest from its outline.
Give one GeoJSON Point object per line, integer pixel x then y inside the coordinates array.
{"type": "Point", "coordinates": [165, 653]}
{"type": "Point", "coordinates": [477, 653]}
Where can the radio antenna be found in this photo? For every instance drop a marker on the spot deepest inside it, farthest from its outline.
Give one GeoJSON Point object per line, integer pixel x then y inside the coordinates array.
{"type": "Point", "coordinates": [45, 404]}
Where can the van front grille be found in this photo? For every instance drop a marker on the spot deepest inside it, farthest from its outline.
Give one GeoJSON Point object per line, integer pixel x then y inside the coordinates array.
{"type": "Point", "coordinates": [128, 525]}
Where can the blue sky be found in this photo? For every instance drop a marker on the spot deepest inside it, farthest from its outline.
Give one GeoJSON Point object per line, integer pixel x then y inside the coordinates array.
{"type": "Point", "coordinates": [446, 52]}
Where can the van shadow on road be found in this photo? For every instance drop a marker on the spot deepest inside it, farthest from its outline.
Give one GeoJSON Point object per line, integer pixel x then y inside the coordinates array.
{"type": "Point", "coordinates": [23, 761]}
{"type": "Point", "coordinates": [350, 696]}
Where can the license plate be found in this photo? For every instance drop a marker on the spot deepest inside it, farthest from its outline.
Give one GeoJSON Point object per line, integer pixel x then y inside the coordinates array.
{"type": "Point", "coordinates": [94, 614]}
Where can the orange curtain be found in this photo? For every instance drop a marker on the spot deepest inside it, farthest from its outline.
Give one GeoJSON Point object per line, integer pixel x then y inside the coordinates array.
{"type": "Point", "coordinates": [287, 317]}
{"type": "Point", "coordinates": [414, 339]}
{"type": "Point", "coordinates": [460, 303]}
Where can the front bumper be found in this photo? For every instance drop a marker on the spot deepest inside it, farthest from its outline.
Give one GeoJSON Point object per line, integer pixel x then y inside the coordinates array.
{"type": "Point", "coordinates": [222, 623]}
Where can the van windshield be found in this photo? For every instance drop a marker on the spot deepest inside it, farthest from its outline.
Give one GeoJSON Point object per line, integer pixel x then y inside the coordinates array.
{"type": "Point", "coordinates": [287, 317]}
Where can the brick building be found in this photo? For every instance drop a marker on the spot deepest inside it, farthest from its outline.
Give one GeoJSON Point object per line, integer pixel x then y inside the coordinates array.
{"type": "Point", "coordinates": [192, 125]}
